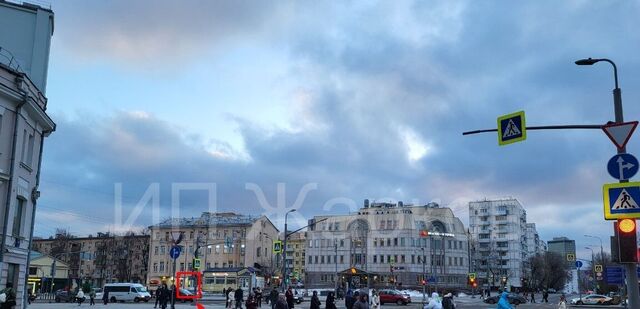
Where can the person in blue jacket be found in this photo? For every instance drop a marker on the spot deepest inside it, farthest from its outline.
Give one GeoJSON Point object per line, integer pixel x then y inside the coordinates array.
{"type": "Point", "coordinates": [504, 302]}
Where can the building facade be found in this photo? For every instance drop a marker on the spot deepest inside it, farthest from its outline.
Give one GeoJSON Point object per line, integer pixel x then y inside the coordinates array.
{"type": "Point", "coordinates": [25, 35]}
{"type": "Point", "coordinates": [386, 245]}
{"type": "Point", "coordinates": [563, 246]}
{"type": "Point", "coordinates": [226, 240]}
{"type": "Point", "coordinates": [535, 245]}
{"type": "Point", "coordinates": [295, 257]}
{"type": "Point", "coordinates": [105, 258]}
{"type": "Point", "coordinates": [41, 278]}
{"type": "Point", "coordinates": [498, 229]}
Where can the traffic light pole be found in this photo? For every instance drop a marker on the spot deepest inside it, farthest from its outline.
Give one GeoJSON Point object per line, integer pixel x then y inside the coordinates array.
{"type": "Point", "coordinates": [631, 268]}
{"type": "Point", "coordinates": [424, 282]}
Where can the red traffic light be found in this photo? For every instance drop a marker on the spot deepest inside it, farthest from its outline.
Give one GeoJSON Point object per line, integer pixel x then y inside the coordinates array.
{"type": "Point", "coordinates": [627, 225]}
{"type": "Point", "coordinates": [424, 233]}
{"type": "Point", "coordinates": [424, 282]}
{"type": "Point", "coordinates": [475, 285]}
{"type": "Point", "coordinates": [627, 240]}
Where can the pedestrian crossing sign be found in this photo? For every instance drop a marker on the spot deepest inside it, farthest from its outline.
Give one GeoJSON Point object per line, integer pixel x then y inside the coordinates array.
{"type": "Point", "coordinates": [621, 200]}
{"type": "Point", "coordinates": [511, 128]}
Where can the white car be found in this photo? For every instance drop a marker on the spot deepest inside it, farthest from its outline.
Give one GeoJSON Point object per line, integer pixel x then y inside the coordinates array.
{"type": "Point", "coordinates": [593, 299]}
{"type": "Point", "coordinates": [121, 292]}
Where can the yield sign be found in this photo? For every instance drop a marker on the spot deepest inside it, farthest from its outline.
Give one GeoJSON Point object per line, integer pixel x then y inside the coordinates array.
{"type": "Point", "coordinates": [620, 133]}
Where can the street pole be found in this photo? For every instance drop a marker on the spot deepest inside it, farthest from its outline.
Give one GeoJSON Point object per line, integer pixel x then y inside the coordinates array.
{"type": "Point", "coordinates": [631, 268]}
{"type": "Point", "coordinates": [284, 251]}
{"type": "Point", "coordinates": [424, 278]}
{"type": "Point", "coordinates": [335, 260]}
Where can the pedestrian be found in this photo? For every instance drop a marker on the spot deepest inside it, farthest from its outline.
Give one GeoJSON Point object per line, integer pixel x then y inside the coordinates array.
{"type": "Point", "coordinates": [251, 302]}
{"type": "Point", "coordinates": [288, 296]}
{"type": "Point", "coordinates": [259, 296]}
{"type": "Point", "coordinates": [361, 302]}
{"type": "Point", "coordinates": [545, 296]}
{"type": "Point", "coordinates": [315, 301]}
{"type": "Point", "coordinates": [375, 300]}
{"type": "Point", "coordinates": [273, 297]}
{"type": "Point", "coordinates": [533, 297]}
{"type": "Point", "coordinates": [105, 296]}
{"type": "Point", "coordinates": [92, 297]}
{"type": "Point", "coordinates": [563, 303]}
{"type": "Point", "coordinates": [239, 297]}
{"type": "Point", "coordinates": [447, 302]}
{"type": "Point", "coordinates": [434, 302]}
{"type": "Point", "coordinates": [80, 297]}
{"type": "Point", "coordinates": [155, 294]}
{"type": "Point", "coordinates": [281, 303]}
{"type": "Point", "coordinates": [503, 303]}
{"type": "Point", "coordinates": [229, 294]}
{"type": "Point", "coordinates": [162, 296]}
{"type": "Point", "coordinates": [330, 302]}
{"type": "Point", "coordinates": [9, 297]}
{"type": "Point", "coordinates": [348, 299]}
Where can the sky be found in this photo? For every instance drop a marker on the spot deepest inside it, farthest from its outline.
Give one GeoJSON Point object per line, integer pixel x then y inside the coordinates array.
{"type": "Point", "coordinates": [317, 105]}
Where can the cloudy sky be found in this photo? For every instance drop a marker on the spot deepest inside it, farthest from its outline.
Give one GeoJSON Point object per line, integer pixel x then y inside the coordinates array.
{"type": "Point", "coordinates": [319, 103]}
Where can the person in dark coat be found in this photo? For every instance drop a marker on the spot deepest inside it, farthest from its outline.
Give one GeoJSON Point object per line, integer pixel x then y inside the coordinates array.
{"type": "Point", "coordinates": [533, 297]}
{"type": "Point", "coordinates": [348, 299]}
{"type": "Point", "coordinates": [164, 295]}
{"type": "Point", "coordinates": [447, 302]}
{"type": "Point", "coordinates": [105, 297]}
{"type": "Point", "coordinates": [273, 297]}
{"type": "Point", "coordinates": [251, 302]}
{"type": "Point", "coordinates": [315, 301]}
{"type": "Point", "coordinates": [239, 296]}
{"type": "Point", "coordinates": [10, 294]}
{"type": "Point", "coordinates": [545, 296]}
{"type": "Point", "coordinates": [330, 303]}
{"type": "Point", "coordinates": [259, 296]}
{"type": "Point", "coordinates": [281, 303]}
{"type": "Point", "coordinates": [289, 297]}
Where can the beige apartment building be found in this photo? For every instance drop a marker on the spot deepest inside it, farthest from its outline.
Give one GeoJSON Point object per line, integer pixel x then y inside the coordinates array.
{"type": "Point", "coordinates": [295, 257]}
{"type": "Point", "coordinates": [226, 240]}
{"type": "Point", "coordinates": [101, 259]}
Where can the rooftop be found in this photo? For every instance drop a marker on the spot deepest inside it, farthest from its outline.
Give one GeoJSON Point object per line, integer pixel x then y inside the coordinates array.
{"type": "Point", "coordinates": [209, 219]}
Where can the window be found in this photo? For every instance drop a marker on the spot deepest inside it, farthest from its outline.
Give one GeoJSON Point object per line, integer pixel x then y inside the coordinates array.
{"type": "Point", "coordinates": [181, 266]}
{"type": "Point", "coordinates": [322, 259]}
{"type": "Point", "coordinates": [501, 218]}
{"type": "Point", "coordinates": [402, 242]}
{"type": "Point", "coordinates": [389, 224]}
{"type": "Point", "coordinates": [342, 259]}
{"type": "Point", "coordinates": [155, 267]}
{"type": "Point", "coordinates": [395, 242]}
{"type": "Point", "coordinates": [161, 266]}
{"type": "Point", "coordinates": [310, 260]}
{"type": "Point", "coordinates": [17, 217]}
{"type": "Point", "coordinates": [258, 251]}
{"type": "Point", "coordinates": [315, 260]}
{"type": "Point", "coordinates": [155, 250]}
{"type": "Point", "coordinates": [388, 242]}
{"type": "Point", "coordinates": [33, 271]}
{"type": "Point", "coordinates": [217, 249]}
{"type": "Point", "coordinates": [341, 242]}
{"type": "Point", "coordinates": [413, 259]}
{"type": "Point", "coordinates": [402, 259]}
{"type": "Point", "coordinates": [161, 249]}
{"type": "Point", "coordinates": [337, 226]}
{"type": "Point", "coordinates": [382, 224]}
{"type": "Point", "coordinates": [375, 259]}
{"type": "Point", "coordinates": [166, 236]}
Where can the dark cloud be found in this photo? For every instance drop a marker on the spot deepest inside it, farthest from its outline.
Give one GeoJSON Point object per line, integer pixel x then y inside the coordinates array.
{"type": "Point", "coordinates": [371, 74]}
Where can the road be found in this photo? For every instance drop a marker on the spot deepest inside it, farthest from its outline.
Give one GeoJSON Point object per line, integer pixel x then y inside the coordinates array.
{"type": "Point", "coordinates": [462, 303]}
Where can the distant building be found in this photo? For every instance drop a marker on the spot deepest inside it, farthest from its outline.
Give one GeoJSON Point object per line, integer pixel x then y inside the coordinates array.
{"type": "Point", "coordinates": [227, 240]}
{"type": "Point", "coordinates": [500, 235]}
{"type": "Point", "coordinates": [105, 258]}
{"type": "Point", "coordinates": [40, 275]}
{"type": "Point", "coordinates": [535, 245]}
{"type": "Point", "coordinates": [563, 246]}
{"type": "Point", "coordinates": [295, 257]}
{"type": "Point", "coordinates": [387, 245]}
{"type": "Point", "coordinates": [25, 36]}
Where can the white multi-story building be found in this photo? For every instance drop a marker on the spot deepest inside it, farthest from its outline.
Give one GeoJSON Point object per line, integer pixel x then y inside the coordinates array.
{"type": "Point", "coordinates": [25, 36]}
{"type": "Point", "coordinates": [535, 245]}
{"type": "Point", "coordinates": [499, 232]}
{"type": "Point", "coordinates": [385, 244]}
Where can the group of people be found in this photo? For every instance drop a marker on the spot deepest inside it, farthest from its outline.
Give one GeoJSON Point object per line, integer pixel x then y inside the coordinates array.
{"type": "Point", "coordinates": [436, 303]}
{"type": "Point", "coordinates": [503, 303]}
{"type": "Point", "coordinates": [163, 296]}
{"type": "Point", "coordinates": [81, 297]}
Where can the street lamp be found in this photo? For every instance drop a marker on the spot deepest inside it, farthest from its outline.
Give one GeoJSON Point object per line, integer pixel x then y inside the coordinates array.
{"type": "Point", "coordinates": [284, 250]}
{"type": "Point", "coordinates": [632, 274]}
{"type": "Point", "coordinates": [601, 250]}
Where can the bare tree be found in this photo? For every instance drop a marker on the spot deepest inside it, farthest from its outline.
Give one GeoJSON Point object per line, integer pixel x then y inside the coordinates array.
{"type": "Point", "coordinates": [548, 271]}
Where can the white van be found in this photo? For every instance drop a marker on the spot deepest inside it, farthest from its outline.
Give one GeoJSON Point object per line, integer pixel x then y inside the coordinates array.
{"type": "Point", "coordinates": [121, 292]}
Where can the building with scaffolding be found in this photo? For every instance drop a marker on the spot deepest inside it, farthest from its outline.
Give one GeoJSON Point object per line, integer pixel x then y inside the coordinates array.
{"type": "Point", "coordinates": [388, 245]}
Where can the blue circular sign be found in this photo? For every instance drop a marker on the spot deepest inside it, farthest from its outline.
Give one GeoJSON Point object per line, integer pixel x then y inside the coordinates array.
{"type": "Point", "coordinates": [623, 166]}
{"type": "Point", "coordinates": [174, 253]}
{"type": "Point", "coordinates": [578, 264]}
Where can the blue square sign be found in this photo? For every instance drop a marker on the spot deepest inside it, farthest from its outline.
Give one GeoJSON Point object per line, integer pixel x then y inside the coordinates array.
{"type": "Point", "coordinates": [511, 128]}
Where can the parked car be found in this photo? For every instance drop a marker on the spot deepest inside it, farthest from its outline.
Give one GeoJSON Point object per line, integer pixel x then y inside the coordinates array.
{"type": "Point", "coordinates": [394, 296]}
{"type": "Point", "coordinates": [593, 299]}
{"type": "Point", "coordinates": [64, 296]}
{"type": "Point", "coordinates": [98, 292]}
{"type": "Point", "coordinates": [513, 299]}
{"type": "Point", "coordinates": [298, 296]}
{"type": "Point", "coordinates": [185, 292]}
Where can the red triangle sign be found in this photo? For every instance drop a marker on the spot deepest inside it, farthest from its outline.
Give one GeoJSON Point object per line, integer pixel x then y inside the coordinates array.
{"type": "Point", "coordinates": [620, 133]}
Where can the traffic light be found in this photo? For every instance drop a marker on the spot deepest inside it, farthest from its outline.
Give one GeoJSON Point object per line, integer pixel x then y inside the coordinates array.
{"type": "Point", "coordinates": [424, 282]}
{"type": "Point", "coordinates": [424, 233]}
{"type": "Point", "coordinates": [627, 240]}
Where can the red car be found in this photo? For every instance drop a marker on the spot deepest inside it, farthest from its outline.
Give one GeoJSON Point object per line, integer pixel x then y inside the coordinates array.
{"type": "Point", "coordinates": [394, 297]}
